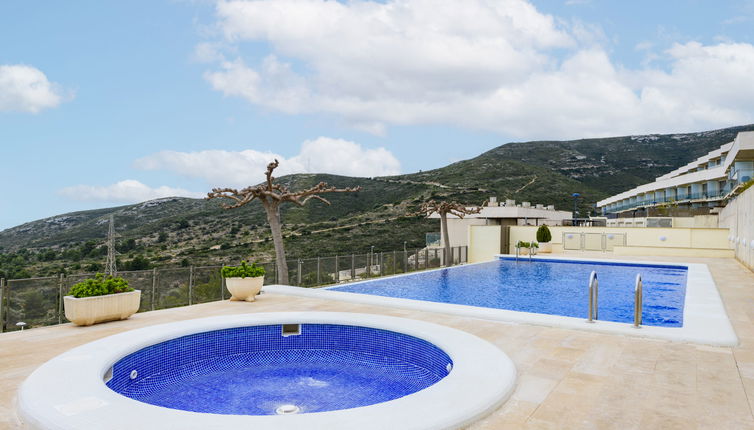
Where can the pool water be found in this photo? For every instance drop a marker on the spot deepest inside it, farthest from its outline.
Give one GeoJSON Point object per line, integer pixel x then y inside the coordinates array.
{"type": "Point", "coordinates": [554, 287]}
{"type": "Point", "coordinates": [257, 370]}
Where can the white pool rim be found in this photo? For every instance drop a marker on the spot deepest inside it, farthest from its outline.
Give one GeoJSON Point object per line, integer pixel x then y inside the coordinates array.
{"type": "Point", "coordinates": [68, 392]}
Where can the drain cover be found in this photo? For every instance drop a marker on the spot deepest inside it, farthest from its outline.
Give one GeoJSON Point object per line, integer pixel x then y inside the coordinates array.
{"type": "Point", "coordinates": [287, 409]}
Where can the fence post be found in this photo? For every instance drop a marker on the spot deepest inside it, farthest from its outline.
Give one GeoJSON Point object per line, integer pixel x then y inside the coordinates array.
{"type": "Point", "coordinates": [416, 260]}
{"type": "Point", "coordinates": [222, 287]}
{"type": "Point", "coordinates": [426, 258]}
{"type": "Point", "coordinates": [318, 266]}
{"type": "Point", "coordinates": [6, 285]}
{"type": "Point", "coordinates": [395, 262]}
{"type": "Point", "coordinates": [382, 263]}
{"type": "Point", "coordinates": [60, 297]}
{"type": "Point", "coordinates": [191, 286]}
{"type": "Point", "coordinates": [337, 271]}
{"type": "Point", "coordinates": [154, 284]}
{"type": "Point", "coordinates": [2, 307]}
{"type": "Point", "coordinates": [405, 260]}
{"type": "Point", "coordinates": [298, 275]}
{"type": "Point", "coordinates": [353, 267]}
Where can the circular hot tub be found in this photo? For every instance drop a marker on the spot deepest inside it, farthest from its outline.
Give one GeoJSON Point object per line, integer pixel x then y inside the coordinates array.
{"type": "Point", "coordinates": [265, 371]}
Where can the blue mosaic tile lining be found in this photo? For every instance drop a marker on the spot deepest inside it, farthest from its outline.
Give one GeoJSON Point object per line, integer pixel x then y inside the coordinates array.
{"type": "Point", "coordinates": [254, 370]}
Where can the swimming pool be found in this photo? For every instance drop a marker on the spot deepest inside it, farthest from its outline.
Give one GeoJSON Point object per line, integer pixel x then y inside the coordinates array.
{"type": "Point", "coordinates": [553, 287]}
{"type": "Point", "coordinates": [692, 314]}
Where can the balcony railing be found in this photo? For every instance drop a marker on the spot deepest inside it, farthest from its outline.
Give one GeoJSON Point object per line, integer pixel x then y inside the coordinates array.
{"type": "Point", "coordinates": [682, 198]}
{"type": "Point", "coordinates": [736, 177]}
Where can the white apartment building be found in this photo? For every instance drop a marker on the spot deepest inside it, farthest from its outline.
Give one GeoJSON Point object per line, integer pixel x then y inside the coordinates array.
{"type": "Point", "coordinates": [706, 182]}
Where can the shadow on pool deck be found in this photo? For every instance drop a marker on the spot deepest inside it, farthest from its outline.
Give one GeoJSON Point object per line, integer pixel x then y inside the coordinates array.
{"type": "Point", "coordinates": [566, 378]}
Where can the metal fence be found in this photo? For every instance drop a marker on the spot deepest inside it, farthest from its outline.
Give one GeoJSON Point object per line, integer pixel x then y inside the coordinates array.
{"type": "Point", "coordinates": [39, 301]}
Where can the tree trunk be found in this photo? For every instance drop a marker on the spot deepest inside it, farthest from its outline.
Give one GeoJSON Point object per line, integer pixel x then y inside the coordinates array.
{"type": "Point", "coordinates": [273, 217]}
{"type": "Point", "coordinates": [445, 238]}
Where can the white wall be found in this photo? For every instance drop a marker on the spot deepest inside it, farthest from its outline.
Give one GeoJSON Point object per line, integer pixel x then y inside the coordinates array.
{"type": "Point", "coordinates": [458, 230]}
{"type": "Point", "coordinates": [484, 242]}
{"type": "Point", "coordinates": [738, 216]}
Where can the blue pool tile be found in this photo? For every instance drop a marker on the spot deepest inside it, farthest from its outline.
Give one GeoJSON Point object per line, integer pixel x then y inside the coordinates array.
{"type": "Point", "coordinates": [254, 370]}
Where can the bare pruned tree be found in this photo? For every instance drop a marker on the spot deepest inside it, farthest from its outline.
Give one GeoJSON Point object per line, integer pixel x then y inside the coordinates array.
{"type": "Point", "coordinates": [271, 196]}
{"type": "Point", "coordinates": [443, 209]}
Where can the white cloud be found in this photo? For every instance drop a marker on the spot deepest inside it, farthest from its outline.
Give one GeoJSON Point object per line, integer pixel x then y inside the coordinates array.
{"type": "Point", "coordinates": [127, 191]}
{"type": "Point", "coordinates": [26, 89]}
{"type": "Point", "coordinates": [497, 65]}
{"type": "Point", "coordinates": [242, 168]}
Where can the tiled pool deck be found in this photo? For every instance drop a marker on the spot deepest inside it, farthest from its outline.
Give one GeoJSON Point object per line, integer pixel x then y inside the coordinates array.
{"type": "Point", "coordinates": [567, 379]}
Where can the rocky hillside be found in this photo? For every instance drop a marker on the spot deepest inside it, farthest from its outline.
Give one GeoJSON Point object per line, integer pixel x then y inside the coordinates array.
{"type": "Point", "coordinates": [550, 171]}
{"type": "Point", "coordinates": [180, 231]}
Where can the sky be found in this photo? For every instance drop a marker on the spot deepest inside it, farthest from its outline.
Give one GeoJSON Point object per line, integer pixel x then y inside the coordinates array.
{"type": "Point", "coordinates": [104, 102]}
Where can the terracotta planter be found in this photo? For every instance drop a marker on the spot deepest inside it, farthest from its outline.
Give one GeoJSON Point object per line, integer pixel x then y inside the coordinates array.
{"type": "Point", "coordinates": [110, 307]}
{"type": "Point", "coordinates": [545, 247]}
{"type": "Point", "coordinates": [244, 289]}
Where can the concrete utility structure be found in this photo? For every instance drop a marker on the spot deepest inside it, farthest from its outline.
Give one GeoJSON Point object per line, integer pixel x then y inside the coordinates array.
{"type": "Point", "coordinates": [502, 213]}
{"type": "Point", "coordinates": [704, 183]}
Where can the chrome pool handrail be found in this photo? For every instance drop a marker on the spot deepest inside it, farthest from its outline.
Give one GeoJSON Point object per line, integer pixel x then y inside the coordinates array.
{"type": "Point", "coordinates": [593, 295]}
{"type": "Point", "coordinates": [638, 301]}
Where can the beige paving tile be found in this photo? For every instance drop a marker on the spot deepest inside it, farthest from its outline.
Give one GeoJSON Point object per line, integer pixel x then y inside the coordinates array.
{"type": "Point", "coordinates": [533, 389]}
{"type": "Point", "coordinates": [660, 420]}
{"type": "Point", "coordinates": [513, 414]}
{"type": "Point", "coordinates": [567, 379]}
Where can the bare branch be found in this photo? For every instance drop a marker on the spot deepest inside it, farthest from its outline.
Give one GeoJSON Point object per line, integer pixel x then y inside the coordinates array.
{"type": "Point", "coordinates": [240, 197]}
{"type": "Point", "coordinates": [270, 167]}
{"type": "Point", "coordinates": [443, 208]}
{"type": "Point", "coordinates": [270, 191]}
{"type": "Point", "coordinates": [322, 199]}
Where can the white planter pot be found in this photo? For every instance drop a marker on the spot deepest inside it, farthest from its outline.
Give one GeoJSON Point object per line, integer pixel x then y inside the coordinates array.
{"type": "Point", "coordinates": [110, 307]}
{"type": "Point", "coordinates": [244, 288]}
{"type": "Point", "coordinates": [545, 247]}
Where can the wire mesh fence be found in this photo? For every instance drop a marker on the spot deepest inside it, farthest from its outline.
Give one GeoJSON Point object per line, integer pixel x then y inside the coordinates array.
{"type": "Point", "coordinates": [36, 302]}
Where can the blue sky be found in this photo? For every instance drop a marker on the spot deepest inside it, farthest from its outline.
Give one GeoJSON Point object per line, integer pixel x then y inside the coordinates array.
{"type": "Point", "coordinates": [105, 103]}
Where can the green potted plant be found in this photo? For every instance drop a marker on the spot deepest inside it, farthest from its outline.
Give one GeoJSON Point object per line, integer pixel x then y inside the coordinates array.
{"type": "Point", "coordinates": [544, 237]}
{"type": "Point", "coordinates": [101, 299]}
{"type": "Point", "coordinates": [524, 248]}
{"type": "Point", "coordinates": [243, 281]}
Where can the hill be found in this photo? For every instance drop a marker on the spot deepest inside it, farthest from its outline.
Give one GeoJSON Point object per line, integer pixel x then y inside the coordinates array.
{"type": "Point", "coordinates": [181, 231]}
{"type": "Point", "coordinates": [550, 171]}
